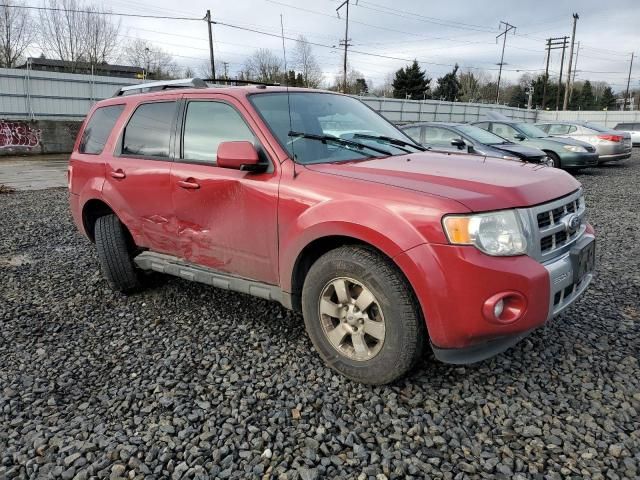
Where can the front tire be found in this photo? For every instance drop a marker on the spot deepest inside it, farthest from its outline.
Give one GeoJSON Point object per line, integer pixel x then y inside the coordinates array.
{"type": "Point", "coordinates": [361, 315]}
{"type": "Point", "coordinates": [115, 251]}
{"type": "Point", "coordinates": [556, 159]}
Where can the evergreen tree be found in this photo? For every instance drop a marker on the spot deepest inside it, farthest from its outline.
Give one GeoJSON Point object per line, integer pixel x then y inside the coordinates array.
{"type": "Point", "coordinates": [411, 82]}
{"type": "Point", "coordinates": [587, 101]}
{"type": "Point", "coordinates": [449, 86]}
{"type": "Point", "coordinates": [607, 100]}
{"type": "Point", "coordinates": [518, 97]}
{"type": "Point", "coordinates": [361, 86]}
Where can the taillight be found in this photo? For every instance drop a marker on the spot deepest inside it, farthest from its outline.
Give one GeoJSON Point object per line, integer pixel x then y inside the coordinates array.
{"type": "Point", "coordinates": [611, 138]}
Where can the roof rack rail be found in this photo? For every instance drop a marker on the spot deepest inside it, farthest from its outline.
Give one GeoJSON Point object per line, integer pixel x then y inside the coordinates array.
{"type": "Point", "coordinates": [161, 85]}
{"type": "Point", "coordinates": [236, 81]}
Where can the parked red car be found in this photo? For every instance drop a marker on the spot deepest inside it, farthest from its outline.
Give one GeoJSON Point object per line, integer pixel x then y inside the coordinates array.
{"type": "Point", "coordinates": [314, 200]}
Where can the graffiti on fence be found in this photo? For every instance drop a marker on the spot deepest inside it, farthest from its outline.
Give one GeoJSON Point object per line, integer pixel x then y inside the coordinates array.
{"type": "Point", "coordinates": [18, 134]}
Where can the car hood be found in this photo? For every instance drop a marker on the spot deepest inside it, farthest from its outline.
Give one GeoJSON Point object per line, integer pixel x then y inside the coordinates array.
{"type": "Point", "coordinates": [522, 151]}
{"type": "Point", "coordinates": [479, 183]}
{"type": "Point", "coordinates": [565, 141]}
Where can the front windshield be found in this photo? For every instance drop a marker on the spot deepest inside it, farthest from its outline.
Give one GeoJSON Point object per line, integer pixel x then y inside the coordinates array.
{"type": "Point", "coordinates": [531, 130]}
{"type": "Point", "coordinates": [324, 114]}
{"type": "Point", "coordinates": [480, 135]}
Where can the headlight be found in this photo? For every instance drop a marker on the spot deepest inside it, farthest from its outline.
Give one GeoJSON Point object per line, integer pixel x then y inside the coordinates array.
{"type": "Point", "coordinates": [510, 157]}
{"type": "Point", "coordinates": [575, 148]}
{"type": "Point", "coordinates": [496, 233]}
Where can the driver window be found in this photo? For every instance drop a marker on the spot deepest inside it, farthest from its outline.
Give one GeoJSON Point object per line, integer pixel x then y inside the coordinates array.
{"type": "Point", "coordinates": [207, 125]}
{"type": "Point", "coordinates": [504, 131]}
{"type": "Point", "coordinates": [558, 129]}
{"type": "Point", "coordinates": [439, 136]}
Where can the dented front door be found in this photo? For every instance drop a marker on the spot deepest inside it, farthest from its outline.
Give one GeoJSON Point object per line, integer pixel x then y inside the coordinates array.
{"type": "Point", "coordinates": [226, 219]}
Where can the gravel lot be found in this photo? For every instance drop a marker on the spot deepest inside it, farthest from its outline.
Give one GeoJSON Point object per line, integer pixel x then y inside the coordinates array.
{"type": "Point", "coordinates": [185, 381]}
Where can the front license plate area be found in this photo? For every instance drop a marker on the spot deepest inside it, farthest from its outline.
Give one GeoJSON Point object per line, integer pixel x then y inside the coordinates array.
{"type": "Point", "coordinates": [583, 259]}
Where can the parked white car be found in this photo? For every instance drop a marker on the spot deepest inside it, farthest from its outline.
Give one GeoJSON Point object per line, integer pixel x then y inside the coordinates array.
{"type": "Point", "coordinates": [633, 129]}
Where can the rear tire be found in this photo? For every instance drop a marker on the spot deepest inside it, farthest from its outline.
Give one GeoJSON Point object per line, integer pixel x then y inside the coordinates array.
{"type": "Point", "coordinates": [375, 344]}
{"type": "Point", "coordinates": [115, 253]}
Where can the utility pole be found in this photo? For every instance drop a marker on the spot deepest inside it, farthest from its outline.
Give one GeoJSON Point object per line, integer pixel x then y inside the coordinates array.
{"type": "Point", "coordinates": [211, 58]}
{"type": "Point", "coordinates": [575, 69]}
{"type": "Point", "coordinates": [530, 99]}
{"type": "Point", "coordinates": [507, 28]}
{"type": "Point", "coordinates": [552, 44]}
{"type": "Point", "coordinates": [626, 95]}
{"type": "Point", "coordinates": [345, 42]}
{"type": "Point", "coordinates": [226, 66]}
{"type": "Point", "coordinates": [573, 39]}
{"type": "Point", "coordinates": [564, 47]}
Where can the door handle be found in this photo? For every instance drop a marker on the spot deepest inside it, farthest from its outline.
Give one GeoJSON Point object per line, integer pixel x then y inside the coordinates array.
{"type": "Point", "coordinates": [189, 184]}
{"type": "Point", "coordinates": [119, 174]}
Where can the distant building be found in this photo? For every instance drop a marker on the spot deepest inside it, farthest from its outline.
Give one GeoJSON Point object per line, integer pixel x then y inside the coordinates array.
{"type": "Point", "coordinates": [631, 103]}
{"type": "Point", "coordinates": [104, 69]}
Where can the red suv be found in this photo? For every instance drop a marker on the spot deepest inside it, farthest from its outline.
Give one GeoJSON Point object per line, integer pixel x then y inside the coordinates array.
{"type": "Point", "coordinates": [314, 200]}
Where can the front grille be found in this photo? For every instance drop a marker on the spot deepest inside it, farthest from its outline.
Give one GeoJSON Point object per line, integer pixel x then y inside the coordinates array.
{"type": "Point", "coordinates": [553, 235]}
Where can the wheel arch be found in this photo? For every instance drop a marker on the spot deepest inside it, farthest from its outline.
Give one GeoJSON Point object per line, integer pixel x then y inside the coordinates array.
{"type": "Point", "coordinates": [317, 247]}
{"type": "Point", "coordinates": [94, 209]}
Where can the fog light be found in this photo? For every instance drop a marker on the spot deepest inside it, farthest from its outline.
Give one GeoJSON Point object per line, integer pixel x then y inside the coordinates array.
{"type": "Point", "coordinates": [505, 307]}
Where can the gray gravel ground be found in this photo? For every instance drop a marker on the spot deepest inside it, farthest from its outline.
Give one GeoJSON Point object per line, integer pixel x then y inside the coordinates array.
{"type": "Point", "coordinates": [185, 381]}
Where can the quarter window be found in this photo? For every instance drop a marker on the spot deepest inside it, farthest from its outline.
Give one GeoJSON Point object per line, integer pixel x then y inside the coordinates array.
{"type": "Point", "coordinates": [413, 132]}
{"type": "Point", "coordinates": [206, 125]}
{"type": "Point", "coordinates": [148, 133]}
{"type": "Point", "coordinates": [96, 133]}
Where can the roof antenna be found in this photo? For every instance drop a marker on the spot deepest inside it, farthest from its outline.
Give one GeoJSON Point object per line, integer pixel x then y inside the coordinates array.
{"type": "Point", "coordinates": [286, 82]}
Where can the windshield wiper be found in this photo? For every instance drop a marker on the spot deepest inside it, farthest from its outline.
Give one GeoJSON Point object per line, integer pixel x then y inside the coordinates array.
{"type": "Point", "coordinates": [393, 141]}
{"type": "Point", "coordinates": [338, 140]}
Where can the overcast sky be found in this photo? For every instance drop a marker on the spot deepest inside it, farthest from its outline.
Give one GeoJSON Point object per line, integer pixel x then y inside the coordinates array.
{"type": "Point", "coordinates": [438, 34]}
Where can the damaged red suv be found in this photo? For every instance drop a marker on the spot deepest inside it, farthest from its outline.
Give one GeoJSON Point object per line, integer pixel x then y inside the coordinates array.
{"type": "Point", "coordinates": [312, 199]}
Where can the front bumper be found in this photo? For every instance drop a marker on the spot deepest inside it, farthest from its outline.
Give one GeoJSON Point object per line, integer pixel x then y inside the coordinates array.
{"type": "Point", "coordinates": [452, 284]}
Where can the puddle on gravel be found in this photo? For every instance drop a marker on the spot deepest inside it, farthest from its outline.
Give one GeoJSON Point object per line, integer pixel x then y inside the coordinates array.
{"type": "Point", "coordinates": [14, 260]}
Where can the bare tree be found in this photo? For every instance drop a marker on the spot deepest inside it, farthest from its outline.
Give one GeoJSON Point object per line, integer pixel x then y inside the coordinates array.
{"type": "Point", "coordinates": [102, 36]}
{"type": "Point", "coordinates": [16, 33]}
{"type": "Point", "coordinates": [305, 62]}
{"type": "Point", "coordinates": [263, 66]}
{"type": "Point", "coordinates": [63, 31]}
{"type": "Point", "coordinates": [156, 63]}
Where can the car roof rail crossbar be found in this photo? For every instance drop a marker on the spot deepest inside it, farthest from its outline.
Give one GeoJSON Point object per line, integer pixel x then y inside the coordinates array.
{"type": "Point", "coordinates": [161, 85]}
{"type": "Point", "coordinates": [236, 81]}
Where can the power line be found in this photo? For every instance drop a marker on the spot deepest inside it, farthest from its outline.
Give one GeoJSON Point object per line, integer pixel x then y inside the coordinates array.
{"type": "Point", "coordinates": [97, 12]}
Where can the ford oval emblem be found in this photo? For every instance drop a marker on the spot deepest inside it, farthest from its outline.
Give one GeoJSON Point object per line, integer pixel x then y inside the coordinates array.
{"type": "Point", "coordinates": [571, 222]}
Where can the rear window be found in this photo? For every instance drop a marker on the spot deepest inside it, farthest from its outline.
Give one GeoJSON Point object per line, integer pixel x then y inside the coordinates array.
{"type": "Point", "coordinates": [96, 133]}
{"type": "Point", "coordinates": [148, 133]}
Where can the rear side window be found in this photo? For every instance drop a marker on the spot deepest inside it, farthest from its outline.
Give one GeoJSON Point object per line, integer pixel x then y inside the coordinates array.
{"type": "Point", "coordinates": [148, 132]}
{"type": "Point", "coordinates": [206, 125]}
{"type": "Point", "coordinates": [96, 133]}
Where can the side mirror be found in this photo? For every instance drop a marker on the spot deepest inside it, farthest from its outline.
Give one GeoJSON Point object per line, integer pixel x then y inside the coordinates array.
{"type": "Point", "coordinates": [458, 142]}
{"type": "Point", "coordinates": [519, 136]}
{"type": "Point", "coordinates": [239, 156]}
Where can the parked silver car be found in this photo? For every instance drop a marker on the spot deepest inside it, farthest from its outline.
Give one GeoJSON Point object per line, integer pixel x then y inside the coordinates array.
{"type": "Point", "coordinates": [610, 144]}
{"type": "Point", "coordinates": [633, 129]}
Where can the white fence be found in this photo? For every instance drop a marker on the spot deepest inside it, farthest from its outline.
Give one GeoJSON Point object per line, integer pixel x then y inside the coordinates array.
{"type": "Point", "coordinates": [407, 111]}
{"type": "Point", "coordinates": [608, 118]}
{"type": "Point", "coordinates": [39, 95]}
{"type": "Point", "coordinates": [32, 94]}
